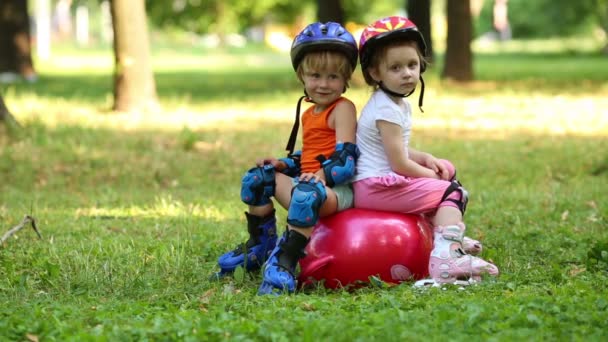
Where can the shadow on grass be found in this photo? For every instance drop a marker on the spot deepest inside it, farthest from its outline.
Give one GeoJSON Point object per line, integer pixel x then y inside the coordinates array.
{"type": "Point", "coordinates": [541, 73]}
{"type": "Point", "coordinates": [195, 84]}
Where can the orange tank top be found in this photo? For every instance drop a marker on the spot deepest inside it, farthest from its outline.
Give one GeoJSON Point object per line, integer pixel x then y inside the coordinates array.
{"type": "Point", "coordinates": [317, 137]}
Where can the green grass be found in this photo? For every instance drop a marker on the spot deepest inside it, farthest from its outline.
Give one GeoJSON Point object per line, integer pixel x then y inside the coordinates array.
{"type": "Point", "coordinates": [134, 210]}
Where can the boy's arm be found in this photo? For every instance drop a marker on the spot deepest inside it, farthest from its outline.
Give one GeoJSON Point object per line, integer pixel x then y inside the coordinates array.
{"type": "Point", "coordinates": [344, 120]}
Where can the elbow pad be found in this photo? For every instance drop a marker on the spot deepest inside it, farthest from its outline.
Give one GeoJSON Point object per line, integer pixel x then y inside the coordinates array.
{"type": "Point", "coordinates": [340, 167]}
{"type": "Point", "coordinates": [293, 164]}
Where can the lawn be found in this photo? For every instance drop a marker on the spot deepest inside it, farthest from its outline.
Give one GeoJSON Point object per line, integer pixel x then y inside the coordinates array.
{"type": "Point", "coordinates": [135, 209]}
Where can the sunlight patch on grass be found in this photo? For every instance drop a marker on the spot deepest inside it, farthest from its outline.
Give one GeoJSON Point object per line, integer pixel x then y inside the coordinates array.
{"type": "Point", "coordinates": [103, 63]}
{"type": "Point", "coordinates": [219, 62]}
{"type": "Point", "coordinates": [557, 45]}
{"type": "Point", "coordinates": [494, 113]}
{"type": "Point", "coordinates": [164, 206]}
{"type": "Point", "coordinates": [553, 115]}
{"type": "Point", "coordinates": [73, 64]}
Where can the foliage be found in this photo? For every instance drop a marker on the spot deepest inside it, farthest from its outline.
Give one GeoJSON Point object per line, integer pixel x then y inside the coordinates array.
{"type": "Point", "coordinates": [232, 16]}
{"type": "Point", "coordinates": [134, 210]}
{"type": "Point", "coordinates": [551, 18]}
{"type": "Point", "coordinates": [237, 16]}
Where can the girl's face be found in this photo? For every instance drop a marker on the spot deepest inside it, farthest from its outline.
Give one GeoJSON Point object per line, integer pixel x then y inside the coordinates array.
{"type": "Point", "coordinates": [399, 70]}
{"type": "Point", "coordinates": [323, 86]}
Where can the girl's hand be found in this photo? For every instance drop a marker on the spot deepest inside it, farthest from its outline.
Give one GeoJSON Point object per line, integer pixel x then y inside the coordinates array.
{"type": "Point", "coordinates": [312, 176]}
{"type": "Point", "coordinates": [437, 166]}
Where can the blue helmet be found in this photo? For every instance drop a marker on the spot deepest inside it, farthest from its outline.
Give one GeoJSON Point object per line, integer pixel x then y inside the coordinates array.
{"type": "Point", "coordinates": [328, 36]}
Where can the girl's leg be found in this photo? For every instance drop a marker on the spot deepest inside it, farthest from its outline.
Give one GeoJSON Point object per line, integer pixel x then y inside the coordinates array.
{"type": "Point", "coordinates": [424, 195]}
{"type": "Point", "coordinates": [469, 245]}
{"type": "Point", "coordinates": [448, 261]}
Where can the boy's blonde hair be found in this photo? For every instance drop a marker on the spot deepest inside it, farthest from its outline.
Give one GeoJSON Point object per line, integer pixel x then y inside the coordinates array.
{"type": "Point", "coordinates": [326, 61]}
{"type": "Point", "coordinates": [380, 54]}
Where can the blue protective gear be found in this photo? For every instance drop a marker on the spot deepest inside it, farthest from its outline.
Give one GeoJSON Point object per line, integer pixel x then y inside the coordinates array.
{"type": "Point", "coordinates": [464, 195]}
{"type": "Point", "coordinates": [307, 197]}
{"type": "Point", "coordinates": [293, 164]}
{"type": "Point", "coordinates": [279, 270]}
{"type": "Point", "coordinates": [322, 37]}
{"type": "Point", "coordinates": [340, 167]}
{"type": "Point", "coordinates": [252, 254]}
{"type": "Point", "coordinates": [257, 185]}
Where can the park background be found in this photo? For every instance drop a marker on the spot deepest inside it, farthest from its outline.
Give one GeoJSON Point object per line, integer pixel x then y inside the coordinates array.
{"type": "Point", "coordinates": [135, 204]}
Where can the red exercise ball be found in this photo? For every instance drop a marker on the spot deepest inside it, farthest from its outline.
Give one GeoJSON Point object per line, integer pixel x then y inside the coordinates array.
{"type": "Point", "coordinates": [347, 248]}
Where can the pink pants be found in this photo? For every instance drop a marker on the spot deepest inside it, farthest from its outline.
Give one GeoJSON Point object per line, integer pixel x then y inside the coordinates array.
{"type": "Point", "coordinates": [394, 192]}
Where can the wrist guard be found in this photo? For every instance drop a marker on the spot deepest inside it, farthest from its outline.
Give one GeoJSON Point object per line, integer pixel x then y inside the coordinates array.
{"type": "Point", "coordinates": [293, 168]}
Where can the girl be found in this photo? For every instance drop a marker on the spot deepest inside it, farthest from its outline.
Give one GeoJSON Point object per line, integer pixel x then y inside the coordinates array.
{"type": "Point", "coordinates": [393, 176]}
{"type": "Point", "coordinates": [310, 184]}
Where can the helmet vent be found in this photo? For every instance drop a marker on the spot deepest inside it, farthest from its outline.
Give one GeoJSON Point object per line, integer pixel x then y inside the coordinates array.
{"type": "Point", "coordinates": [324, 29]}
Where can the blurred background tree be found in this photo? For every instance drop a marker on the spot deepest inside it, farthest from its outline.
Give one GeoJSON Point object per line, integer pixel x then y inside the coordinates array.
{"type": "Point", "coordinates": [458, 63]}
{"type": "Point", "coordinates": [218, 23]}
{"type": "Point", "coordinates": [419, 11]}
{"type": "Point", "coordinates": [134, 86]}
{"type": "Point", "coordinates": [15, 46]}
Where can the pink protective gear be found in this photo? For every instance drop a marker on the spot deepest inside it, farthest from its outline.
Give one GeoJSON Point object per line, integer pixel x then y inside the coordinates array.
{"type": "Point", "coordinates": [470, 246]}
{"type": "Point", "coordinates": [449, 263]}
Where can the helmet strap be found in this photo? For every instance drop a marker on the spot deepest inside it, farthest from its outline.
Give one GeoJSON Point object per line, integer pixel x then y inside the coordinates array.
{"type": "Point", "coordinates": [296, 125]}
{"type": "Point", "coordinates": [392, 93]}
{"type": "Point", "coordinates": [421, 96]}
{"type": "Point", "coordinates": [395, 94]}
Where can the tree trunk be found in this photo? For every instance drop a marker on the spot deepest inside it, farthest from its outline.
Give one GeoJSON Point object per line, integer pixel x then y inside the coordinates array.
{"type": "Point", "coordinates": [458, 56]}
{"type": "Point", "coordinates": [6, 117]}
{"type": "Point", "coordinates": [419, 11]}
{"type": "Point", "coordinates": [330, 10]}
{"type": "Point", "coordinates": [134, 86]}
{"type": "Point", "coordinates": [15, 47]}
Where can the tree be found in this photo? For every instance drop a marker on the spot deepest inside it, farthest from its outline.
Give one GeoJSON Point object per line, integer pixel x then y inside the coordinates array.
{"type": "Point", "coordinates": [134, 86]}
{"type": "Point", "coordinates": [15, 47]}
{"type": "Point", "coordinates": [419, 11]}
{"type": "Point", "coordinates": [6, 117]}
{"type": "Point", "coordinates": [330, 10]}
{"type": "Point", "coordinates": [458, 56]}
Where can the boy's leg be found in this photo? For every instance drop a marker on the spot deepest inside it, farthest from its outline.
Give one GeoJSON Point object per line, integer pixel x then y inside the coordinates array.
{"type": "Point", "coordinates": [253, 253]}
{"type": "Point", "coordinates": [257, 187]}
{"type": "Point", "coordinates": [307, 199]}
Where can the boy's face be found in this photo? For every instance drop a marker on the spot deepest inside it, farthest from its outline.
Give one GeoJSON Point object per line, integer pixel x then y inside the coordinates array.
{"type": "Point", "coordinates": [323, 86]}
{"type": "Point", "coordinates": [399, 70]}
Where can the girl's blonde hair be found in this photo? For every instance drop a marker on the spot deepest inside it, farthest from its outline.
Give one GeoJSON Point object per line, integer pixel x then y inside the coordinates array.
{"type": "Point", "coordinates": [380, 54]}
{"type": "Point", "coordinates": [326, 61]}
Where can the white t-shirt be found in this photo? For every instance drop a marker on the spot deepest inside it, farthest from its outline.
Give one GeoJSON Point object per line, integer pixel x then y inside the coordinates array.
{"type": "Point", "coordinates": [373, 161]}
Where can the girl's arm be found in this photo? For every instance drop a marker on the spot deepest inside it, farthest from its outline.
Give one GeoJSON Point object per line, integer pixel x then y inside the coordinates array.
{"type": "Point", "coordinates": [429, 161]}
{"type": "Point", "coordinates": [399, 159]}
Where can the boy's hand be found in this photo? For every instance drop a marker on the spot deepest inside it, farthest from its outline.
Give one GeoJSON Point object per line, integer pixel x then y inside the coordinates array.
{"type": "Point", "coordinates": [278, 165]}
{"type": "Point", "coordinates": [312, 176]}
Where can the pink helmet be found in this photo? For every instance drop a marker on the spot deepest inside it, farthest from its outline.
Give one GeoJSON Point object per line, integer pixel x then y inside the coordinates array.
{"type": "Point", "coordinates": [387, 29]}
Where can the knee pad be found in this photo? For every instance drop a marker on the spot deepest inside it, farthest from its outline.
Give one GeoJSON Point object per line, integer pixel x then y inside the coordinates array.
{"type": "Point", "coordinates": [464, 196]}
{"type": "Point", "coordinates": [257, 185]}
{"type": "Point", "coordinates": [306, 201]}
